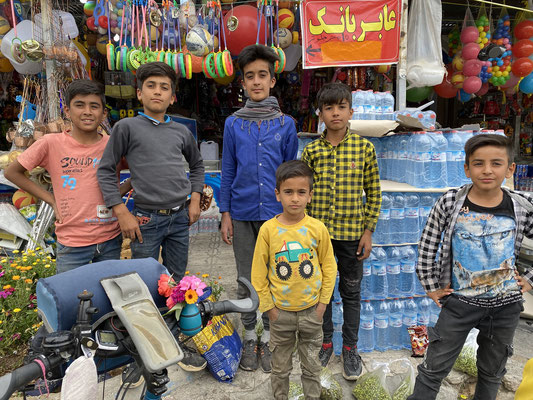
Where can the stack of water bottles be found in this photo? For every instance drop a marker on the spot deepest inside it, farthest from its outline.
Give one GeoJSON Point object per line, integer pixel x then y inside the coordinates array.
{"type": "Point", "coordinates": [427, 118]}
{"type": "Point", "coordinates": [205, 224]}
{"type": "Point", "coordinates": [523, 177]}
{"type": "Point", "coordinates": [370, 105]}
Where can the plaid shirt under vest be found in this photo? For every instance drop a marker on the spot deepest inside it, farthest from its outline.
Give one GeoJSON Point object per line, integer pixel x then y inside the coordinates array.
{"type": "Point", "coordinates": [341, 174]}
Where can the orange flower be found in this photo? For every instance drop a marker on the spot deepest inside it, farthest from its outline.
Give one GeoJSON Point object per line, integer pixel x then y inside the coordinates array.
{"type": "Point", "coordinates": [28, 281]}
{"type": "Point", "coordinates": [164, 285]}
{"type": "Point", "coordinates": [16, 277]}
{"type": "Point", "coordinates": [219, 277]}
{"type": "Point", "coordinates": [191, 297]}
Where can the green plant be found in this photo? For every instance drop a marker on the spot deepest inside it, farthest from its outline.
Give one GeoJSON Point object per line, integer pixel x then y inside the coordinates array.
{"type": "Point", "coordinates": [18, 302]}
{"type": "Point", "coordinates": [216, 288]}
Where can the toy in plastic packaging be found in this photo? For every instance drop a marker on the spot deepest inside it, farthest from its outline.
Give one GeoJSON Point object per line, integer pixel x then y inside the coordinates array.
{"type": "Point", "coordinates": [424, 53]}
{"type": "Point", "coordinates": [466, 361]}
{"type": "Point", "coordinates": [419, 340]}
{"type": "Point", "coordinates": [386, 381]}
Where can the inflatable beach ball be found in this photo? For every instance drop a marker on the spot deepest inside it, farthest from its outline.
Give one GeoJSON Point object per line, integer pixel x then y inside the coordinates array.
{"type": "Point", "coordinates": [22, 199]}
{"type": "Point", "coordinates": [286, 18]}
{"type": "Point", "coordinates": [199, 41]}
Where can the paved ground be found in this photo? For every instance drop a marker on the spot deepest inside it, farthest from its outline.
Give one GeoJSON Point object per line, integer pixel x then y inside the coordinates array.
{"type": "Point", "coordinates": [209, 255]}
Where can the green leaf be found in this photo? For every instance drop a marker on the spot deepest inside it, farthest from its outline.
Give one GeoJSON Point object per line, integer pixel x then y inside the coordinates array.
{"type": "Point", "coordinates": [176, 308]}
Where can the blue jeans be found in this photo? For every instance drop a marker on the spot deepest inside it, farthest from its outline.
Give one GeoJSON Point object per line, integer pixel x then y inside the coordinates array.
{"type": "Point", "coordinates": [495, 339]}
{"type": "Point", "coordinates": [350, 276]}
{"type": "Point", "coordinates": [73, 257]}
{"type": "Point", "coordinates": [171, 232]}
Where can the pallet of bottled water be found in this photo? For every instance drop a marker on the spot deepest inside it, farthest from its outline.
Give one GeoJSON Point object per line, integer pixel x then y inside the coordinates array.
{"type": "Point", "coordinates": [204, 225]}
{"type": "Point", "coordinates": [370, 105]}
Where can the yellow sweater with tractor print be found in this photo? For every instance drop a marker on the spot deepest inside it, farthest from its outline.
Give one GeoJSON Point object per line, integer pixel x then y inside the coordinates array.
{"type": "Point", "coordinates": [293, 266]}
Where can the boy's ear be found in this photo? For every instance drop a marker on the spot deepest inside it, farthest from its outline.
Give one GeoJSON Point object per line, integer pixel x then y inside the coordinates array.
{"type": "Point", "coordinates": [467, 171]}
{"type": "Point", "coordinates": [67, 111]}
{"type": "Point", "coordinates": [277, 195]}
{"type": "Point", "coordinates": [272, 82]}
{"type": "Point", "coordinates": [510, 171]}
{"type": "Point", "coordinates": [139, 92]}
{"type": "Point", "coordinates": [310, 196]}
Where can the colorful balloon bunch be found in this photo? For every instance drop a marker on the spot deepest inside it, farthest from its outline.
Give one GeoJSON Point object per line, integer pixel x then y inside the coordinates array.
{"type": "Point", "coordinates": [483, 27]}
{"type": "Point", "coordinates": [454, 41]}
{"type": "Point", "coordinates": [471, 65]}
{"type": "Point", "coordinates": [523, 52]}
{"type": "Point", "coordinates": [501, 66]}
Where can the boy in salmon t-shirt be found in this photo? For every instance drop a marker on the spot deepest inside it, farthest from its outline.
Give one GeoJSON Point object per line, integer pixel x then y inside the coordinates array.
{"type": "Point", "coordinates": [86, 230]}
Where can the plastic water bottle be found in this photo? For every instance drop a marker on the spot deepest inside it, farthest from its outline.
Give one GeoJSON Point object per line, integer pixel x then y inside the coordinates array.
{"type": "Point", "coordinates": [439, 146]}
{"type": "Point", "coordinates": [381, 326]}
{"type": "Point", "coordinates": [382, 233]}
{"type": "Point", "coordinates": [403, 154]}
{"type": "Point", "coordinates": [370, 104]}
{"type": "Point", "coordinates": [465, 136]}
{"type": "Point", "coordinates": [397, 216]}
{"type": "Point", "coordinates": [421, 160]}
{"type": "Point", "coordinates": [429, 119]}
{"type": "Point", "coordinates": [395, 324]}
{"type": "Point", "coordinates": [378, 105]}
{"type": "Point", "coordinates": [337, 317]}
{"type": "Point", "coordinates": [424, 208]}
{"type": "Point", "coordinates": [387, 105]}
{"type": "Point", "coordinates": [409, 319]}
{"type": "Point", "coordinates": [393, 270]}
{"type": "Point", "coordinates": [434, 312]}
{"type": "Point", "coordinates": [407, 271]}
{"type": "Point", "coordinates": [384, 169]}
{"type": "Point", "coordinates": [379, 273]}
{"type": "Point", "coordinates": [376, 142]}
{"type": "Point", "coordinates": [455, 159]}
{"type": "Point", "coordinates": [358, 102]}
{"type": "Point", "coordinates": [366, 282]}
{"type": "Point", "coordinates": [336, 293]}
{"type": "Point", "coordinates": [412, 224]}
{"type": "Point", "coordinates": [366, 328]}
{"type": "Point", "coordinates": [423, 312]}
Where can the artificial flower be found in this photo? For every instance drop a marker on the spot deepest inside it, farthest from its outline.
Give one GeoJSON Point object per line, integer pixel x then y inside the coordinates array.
{"type": "Point", "coordinates": [190, 296]}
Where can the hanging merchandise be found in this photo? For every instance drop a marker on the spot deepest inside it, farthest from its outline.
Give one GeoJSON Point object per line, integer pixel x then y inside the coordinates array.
{"type": "Point", "coordinates": [12, 48]}
{"type": "Point", "coordinates": [424, 52]}
{"type": "Point", "coordinates": [238, 23]}
{"type": "Point", "coordinates": [501, 61]}
{"type": "Point", "coordinates": [446, 89]}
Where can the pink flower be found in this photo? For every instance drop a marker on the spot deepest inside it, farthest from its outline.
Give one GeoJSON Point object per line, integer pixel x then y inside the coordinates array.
{"type": "Point", "coordinates": [178, 295]}
{"type": "Point", "coordinates": [15, 336]}
{"type": "Point", "coordinates": [170, 302]}
{"type": "Point", "coordinates": [192, 282]}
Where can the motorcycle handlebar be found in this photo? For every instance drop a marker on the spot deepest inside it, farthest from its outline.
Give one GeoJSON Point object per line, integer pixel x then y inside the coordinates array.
{"type": "Point", "coordinates": [246, 305]}
{"type": "Point", "coordinates": [20, 377]}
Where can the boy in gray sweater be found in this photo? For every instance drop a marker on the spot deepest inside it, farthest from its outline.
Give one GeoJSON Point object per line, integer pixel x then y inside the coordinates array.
{"type": "Point", "coordinates": [156, 149]}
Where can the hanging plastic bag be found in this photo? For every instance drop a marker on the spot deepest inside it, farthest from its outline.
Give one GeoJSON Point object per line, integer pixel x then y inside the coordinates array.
{"type": "Point", "coordinates": [466, 361]}
{"type": "Point", "coordinates": [424, 51]}
{"type": "Point", "coordinates": [81, 380]}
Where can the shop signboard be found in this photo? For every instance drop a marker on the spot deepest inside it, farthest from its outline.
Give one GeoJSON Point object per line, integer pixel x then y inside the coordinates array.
{"type": "Point", "coordinates": [350, 33]}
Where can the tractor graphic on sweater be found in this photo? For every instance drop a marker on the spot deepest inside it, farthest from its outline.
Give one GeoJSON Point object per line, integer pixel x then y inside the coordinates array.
{"type": "Point", "coordinates": [290, 253]}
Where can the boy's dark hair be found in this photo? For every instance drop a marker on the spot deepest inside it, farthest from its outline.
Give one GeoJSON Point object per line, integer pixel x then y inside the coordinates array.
{"type": "Point", "coordinates": [257, 52]}
{"type": "Point", "coordinates": [482, 140]}
{"type": "Point", "coordinates": [333, 93]}
{"type": "Point", "coordinates": [84, 87]}
{"type": "Point", "coordinates": [155, 68]}
{"type": "Point", "coordinates": [293, 169]}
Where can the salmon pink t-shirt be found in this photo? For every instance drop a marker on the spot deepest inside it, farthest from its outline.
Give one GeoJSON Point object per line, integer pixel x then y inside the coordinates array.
{"type": "Point", "coordinates": [72, 167]}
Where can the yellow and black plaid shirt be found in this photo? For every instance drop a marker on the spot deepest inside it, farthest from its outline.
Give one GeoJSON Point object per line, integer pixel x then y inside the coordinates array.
{"type": "Point", "coordinates": [341, 174]}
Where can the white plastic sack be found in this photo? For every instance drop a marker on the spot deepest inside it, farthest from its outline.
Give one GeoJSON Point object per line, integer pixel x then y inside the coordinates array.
{"type": "Point", "coordinates": [81, 380]}
{"type": "Point", "coordinates": [12, 222]}
{"type": "Point", "coordinates": [424, 52]}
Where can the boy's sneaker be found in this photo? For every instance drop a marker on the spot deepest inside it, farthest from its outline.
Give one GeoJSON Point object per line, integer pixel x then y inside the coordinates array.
{"type": "Point", "coordinates": [265, 357]}
{"type": "Point", "coordinates": [249, 355]}
{"type": "Point", "coordinates": [351, 362]}
{"type": "Point", "coordinates": [325, 353]}
{"type": "Point", "coordinates": [132, 376]}
{"type": "Point", "coordinates": [191, 361]}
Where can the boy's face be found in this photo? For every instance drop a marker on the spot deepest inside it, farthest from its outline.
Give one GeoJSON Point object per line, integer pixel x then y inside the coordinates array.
{"type": "Point", "coordinates": [156, 94]}
{"type": "Point", "coordinates": [488, 166]}
{"type": "Point", "coordinates": [336, 116]}
{"type": "Point", "coordinates": [86, 112]}
{"type": "Point", "coordinates": [294, 194]}
{"type": "Point", "coordinates": [257, 80]}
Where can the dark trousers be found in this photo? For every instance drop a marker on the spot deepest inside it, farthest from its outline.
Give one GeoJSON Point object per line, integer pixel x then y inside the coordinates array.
{"type": "Point", "coordinates": [244, 238]}
{"type": "Point", "coordinates": [495, 339]}
{"type": "Point", "coordinates": [350, 276]}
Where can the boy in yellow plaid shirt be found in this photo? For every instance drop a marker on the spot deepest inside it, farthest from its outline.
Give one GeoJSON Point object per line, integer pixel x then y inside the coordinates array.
{"type": "Point", "coordinates": [344, 166]}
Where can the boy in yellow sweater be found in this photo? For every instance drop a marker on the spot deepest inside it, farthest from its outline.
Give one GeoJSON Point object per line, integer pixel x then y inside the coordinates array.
{"type": "Point", "coordinates": [293, 271]}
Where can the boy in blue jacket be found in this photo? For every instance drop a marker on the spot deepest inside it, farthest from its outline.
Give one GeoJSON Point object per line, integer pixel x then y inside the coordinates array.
{"type": "Point", "coordinates": [258, 138]}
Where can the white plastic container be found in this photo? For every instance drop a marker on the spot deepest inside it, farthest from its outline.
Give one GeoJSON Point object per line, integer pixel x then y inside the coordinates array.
{"type": "Point", "coordinates": [209, 150]}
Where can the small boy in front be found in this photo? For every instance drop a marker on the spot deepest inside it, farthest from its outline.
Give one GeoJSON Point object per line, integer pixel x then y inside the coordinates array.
{"type": "Point", "coordinates": [344, 165]}
{"type": "Point", "coordinates": [87, 231]}
{"type": "Point", "coordinates": [257, 139]}
{"type": "Point", "coordinates": [480, 228]}
{"type": "Point", "coordinates": [293, 271]}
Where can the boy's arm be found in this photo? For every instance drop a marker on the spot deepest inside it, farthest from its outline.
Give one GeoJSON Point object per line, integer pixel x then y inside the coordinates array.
{"type": "Point", "coordinates": [196, 176]}
{"type": "Point", "coordinates": [260, 271]}
{"type": "Point", "coordinates": [326, 258]}
{"type": "Point", "coordinates": [372, 189]}
{"type": "Point", "coordinates": [229, 169]}
{"type": "Point", "coordinates": [15, 174]}
{"type": "Point", "coordinates": [291, 145]}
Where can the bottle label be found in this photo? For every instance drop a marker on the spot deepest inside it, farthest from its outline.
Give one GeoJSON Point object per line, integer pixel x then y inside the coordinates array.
{"type": "Point", "coordinates": [411, 212]}
{"type": "Point", "coordinates": [455, 156]}
{"type": "Point", "coordinates": [359, 109]}
{"type": "Point", "coordinates": [393, 269]}
{"type": "Point", "coordinates": [380, 270]}
{"type": "Point", "coordinates": [424, 211]}
{"type": "Point", "coordinates": [397, 213]}
{"type": "Point", "coordinates": [438, 156]}
{"type": "Point", "coordinates": [423, 156]}
{"type": "Point", "coordinates": [367, 270]}
{"type": "Point", "coordinates": [381, 323]}
{"type": "Point", "coordinates": [384, 214]}
{"type": "Point", "coordinates": [402, 155]}
{"type": "Point", "coordinates": [408, 267]}
{"type": "Point", "coordinates": [423, 320]}
{"type": "Point", "coordinates": [395, 321]}
{"type": "Point", "coordinates": [409, 320]}
{"type": "Point", "coordinates": [367, 324]}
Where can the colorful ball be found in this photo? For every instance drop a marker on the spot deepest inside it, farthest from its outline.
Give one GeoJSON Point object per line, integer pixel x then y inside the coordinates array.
{"type": "Point", "coordinates": [238, 24]}
{"type": "Point", "coordinates": [469, 34]}
{"type": "Point", "coordinates": [199, 41]}
{"type": "Point", "coordinates": [472, 84]}
{"type": "Point", "coordinates": [285, 37]}
{"type": "Point", "coordinates": [22, 199]}
{"type": "Point", "coordinates": [101, 44]}
{"type": "Point", "coordinates": [4, 26]}
{"type": "Point", "coordinates": [457, 80]}
{"type": "Point", "coordinates": [88, 8]}
{"type": "Point", "coordinates": [457, 63]}
{"type": "Point", "coordinates": [285, 18]}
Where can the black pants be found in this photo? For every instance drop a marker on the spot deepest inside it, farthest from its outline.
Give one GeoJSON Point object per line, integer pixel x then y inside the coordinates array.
{"type": "Point", "coordinates": [495, 339]}
{"type": "Point", "coordinates": [350, 276]}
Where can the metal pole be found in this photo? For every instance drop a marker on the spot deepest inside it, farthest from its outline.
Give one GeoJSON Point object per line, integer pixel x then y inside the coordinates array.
{"type": "Point", "coordinates": [401, 73]}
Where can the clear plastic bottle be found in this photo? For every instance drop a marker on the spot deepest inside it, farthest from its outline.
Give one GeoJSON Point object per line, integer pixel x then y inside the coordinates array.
{"type": "Point", "coordinates": [411, 224]}
{"type": "Point", "coordinates": [423, 312]}
{"type": "Point", "coordinates": [434, 312]}
{"type": "Point", "coordinates": [370, 104]}
{"type": "Point", "coordinates": [424, 208]}
{"type": "Point", "coordinates": [395, 324]}
{"type": "Point", "coordinates": [393, 270]}
{"type": "Point", "coordinates": [379, 273]}
{"type": "Point", "coordinates": [366, 328]}
{"type": "Point", "coordinates": [382, 233]}
{"type": "Point", "coordinates": [381, 326]}
{"type": "Point", "coordinates": [358, 104]}
{"type": "Point", "coordinates": [379, 153]}
{"type": "Point", "coordinates": [378, 105]}
{"type": "Point", "coordinates": [337, 317]}
{"type": "Point", "coordinates": [397, 215]}
{"type": "Point", "coordinates": [336, 293]}
{"type": "Point", "coordinates": [429, 120]}
{"type": "Point", "coordinates": [455, 158]}
{"type": "Point", "coordinates": [366, 282]}
{"type": "Point", "coordinates": [387, 105]}
{"type": "Point", "coordinates": [465, 136]}
{"type": "Point", "coordinates": [409, 319]}
{"type": "Point", "coordinates": [439, 146]}
{"type": "Point", "coordinates": [407, 270]}
{"type": "Point", "coordinates": [403, 154]}
{"type": "Point", "coordinates": [421, 160]}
